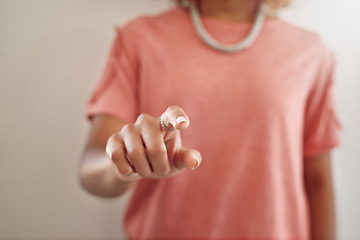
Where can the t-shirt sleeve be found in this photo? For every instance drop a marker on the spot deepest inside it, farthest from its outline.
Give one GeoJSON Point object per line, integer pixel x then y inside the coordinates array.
{"type": "Point", "coordinates": [322, 126]}
{"type": "Point", "coordinates": [116, 92]}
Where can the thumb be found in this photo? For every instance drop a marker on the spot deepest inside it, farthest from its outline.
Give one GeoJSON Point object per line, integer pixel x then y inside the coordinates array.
{"type": "Point", "coordinates": [175, 118]}
{"type": "Point", "coordinates": [187, 159]}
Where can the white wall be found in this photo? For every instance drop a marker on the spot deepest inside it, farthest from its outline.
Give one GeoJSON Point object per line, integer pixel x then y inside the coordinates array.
{"type": "Point", "coordinates": [52, 53]}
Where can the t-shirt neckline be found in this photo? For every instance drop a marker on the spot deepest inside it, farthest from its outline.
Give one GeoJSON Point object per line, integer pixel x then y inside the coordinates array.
{"type": "Point", "coordinates": [221, 25]}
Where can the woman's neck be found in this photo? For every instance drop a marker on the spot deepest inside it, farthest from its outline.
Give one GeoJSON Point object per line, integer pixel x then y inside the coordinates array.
{"type": "Point", "coordinates": [230, 10]}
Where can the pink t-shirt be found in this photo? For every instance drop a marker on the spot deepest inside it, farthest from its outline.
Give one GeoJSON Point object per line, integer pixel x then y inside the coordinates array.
{"type": "Point", "coordinates": [254, 116]}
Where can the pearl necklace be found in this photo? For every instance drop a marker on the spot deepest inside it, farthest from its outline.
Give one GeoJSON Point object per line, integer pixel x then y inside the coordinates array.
{"type": "Point", "coordinates": [228, 48]}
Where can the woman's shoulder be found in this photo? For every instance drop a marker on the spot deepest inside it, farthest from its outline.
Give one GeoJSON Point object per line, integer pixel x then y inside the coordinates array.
{"type": "Point", "coordinates": [305, 45]}
{"type": "Point", "coordinates": [300, 37]}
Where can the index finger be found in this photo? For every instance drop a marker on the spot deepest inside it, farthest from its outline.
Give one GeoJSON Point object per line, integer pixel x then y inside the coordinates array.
{"type": "Point", "coordinates": [175, 118]}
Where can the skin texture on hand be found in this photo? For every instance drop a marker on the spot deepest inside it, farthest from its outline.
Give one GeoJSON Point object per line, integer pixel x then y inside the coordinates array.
{"type": "Point", "coordinates": [133, 151]}
{"type": "Point", "coordinates": [147, 149]}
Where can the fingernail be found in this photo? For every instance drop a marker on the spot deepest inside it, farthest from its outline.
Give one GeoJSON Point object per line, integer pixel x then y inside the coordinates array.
{"type": "Point", "coordinates": [180, 120]}
{"type": "Point", "coordinates": [197, 161]}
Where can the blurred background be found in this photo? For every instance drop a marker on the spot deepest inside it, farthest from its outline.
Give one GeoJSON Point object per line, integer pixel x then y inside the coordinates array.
{"type": "Point", "coordinates": [52, 53]}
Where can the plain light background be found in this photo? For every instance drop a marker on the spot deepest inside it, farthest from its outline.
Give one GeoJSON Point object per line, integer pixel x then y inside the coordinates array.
{"type": "Point", "coordinates": [52, 53]}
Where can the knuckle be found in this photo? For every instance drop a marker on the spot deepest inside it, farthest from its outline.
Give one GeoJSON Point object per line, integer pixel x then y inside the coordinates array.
{"type": "Point", "coordinates": [112, 139]}
{"type": "Point", "coordinates": [163, 169]}
{"type": "Point", "coordinates": [157, 152]}
{"type": "Point", "coordinates": [146, 125]}
{"type": "Point", "coordinates": [136, 153]}
{"type": "Point", "coordinates": [126, 129]}
{"type": "Point", "coordinates": [116, 155]}
{"type": "Point", "coordinates": [144, 173]}
{"type": "Point", "coordinates": [124, 170]}
{"type": "Point", "coordinates": [143, 118]}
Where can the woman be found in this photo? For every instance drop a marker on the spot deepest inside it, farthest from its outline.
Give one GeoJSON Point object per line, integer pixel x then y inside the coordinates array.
{"type": "Point", "coordinates": [258, 93]}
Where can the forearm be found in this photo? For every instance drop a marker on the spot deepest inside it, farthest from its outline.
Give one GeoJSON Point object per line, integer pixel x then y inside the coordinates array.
{"type": "Point", "coordinates": [98, 175]}
{"type": "Point", "coordinates": [322, 210]}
